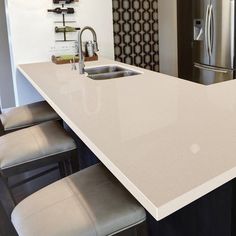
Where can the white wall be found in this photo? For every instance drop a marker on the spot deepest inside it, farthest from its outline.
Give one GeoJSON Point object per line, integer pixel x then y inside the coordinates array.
{"type": "Point", "coordinates": [168, 44]}
{"type": "Point", "coordinates": [32, 37]}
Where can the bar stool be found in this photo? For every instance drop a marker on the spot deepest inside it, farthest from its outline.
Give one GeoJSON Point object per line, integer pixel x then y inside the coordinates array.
{"type": "Point", "coordinates": [16, 118]}
{"type": "Point", "coordinates": [35, 147]}
{"type": "Point", "coordinates": [91, 202]}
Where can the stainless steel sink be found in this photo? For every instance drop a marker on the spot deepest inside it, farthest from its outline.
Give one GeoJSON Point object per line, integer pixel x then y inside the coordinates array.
{"type": "Point", "coordinates": [104, 69]}
{"type": "Point", "coordinates": [109, 72]}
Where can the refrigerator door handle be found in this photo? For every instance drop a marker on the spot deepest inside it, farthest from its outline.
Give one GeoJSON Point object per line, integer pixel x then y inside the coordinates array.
{"type": "Point", "coordinates": [206, 28]}
{"type": "Point", "coordinates": [210, 30]}
{"type": "Point", "coordinates": [211, 68]}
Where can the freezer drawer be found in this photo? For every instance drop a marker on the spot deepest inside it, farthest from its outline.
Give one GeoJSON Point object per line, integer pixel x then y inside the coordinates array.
{"type": "Point", "coordinates": [207, 75]}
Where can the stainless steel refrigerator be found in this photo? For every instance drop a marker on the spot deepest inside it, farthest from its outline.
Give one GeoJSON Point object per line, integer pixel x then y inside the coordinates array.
{"type": "Point", "coordinates": [214, 41]}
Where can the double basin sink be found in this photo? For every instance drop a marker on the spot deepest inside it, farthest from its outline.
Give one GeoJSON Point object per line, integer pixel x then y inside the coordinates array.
{"type": "Point", "coordinates": [109, 72]}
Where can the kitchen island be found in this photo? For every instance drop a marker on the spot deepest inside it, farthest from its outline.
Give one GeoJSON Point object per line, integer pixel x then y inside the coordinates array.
{"type": "Point", "coordinates": [168, 141]}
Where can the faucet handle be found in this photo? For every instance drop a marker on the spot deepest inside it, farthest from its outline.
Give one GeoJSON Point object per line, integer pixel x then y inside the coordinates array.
{"type": "Point", "coordinates": [73, 65]}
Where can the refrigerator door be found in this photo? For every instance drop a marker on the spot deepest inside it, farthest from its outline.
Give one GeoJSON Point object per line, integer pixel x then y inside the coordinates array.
{"type": "Point", "coordinates": [200, 24]}
{"type": "Point", "coordinates": [207, 75]}
{"type": "Point", "coordinates": [220, 33]}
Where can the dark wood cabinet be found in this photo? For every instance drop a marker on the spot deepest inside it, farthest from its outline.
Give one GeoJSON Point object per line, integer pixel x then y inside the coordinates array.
{"type": "Point", "coordinates": [185, 36]}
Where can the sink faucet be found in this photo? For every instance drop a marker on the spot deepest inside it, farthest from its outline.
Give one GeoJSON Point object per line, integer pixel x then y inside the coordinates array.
{"type": "Point", "coordinates": [80, 50]}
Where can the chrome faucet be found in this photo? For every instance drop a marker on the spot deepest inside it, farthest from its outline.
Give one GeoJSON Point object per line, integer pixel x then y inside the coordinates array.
{"type": "Point", "coordinates": [80, 50]}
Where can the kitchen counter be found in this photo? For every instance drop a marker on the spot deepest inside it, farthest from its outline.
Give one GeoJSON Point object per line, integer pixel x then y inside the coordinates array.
{"type": "Point", "coordinates": [168, 141]}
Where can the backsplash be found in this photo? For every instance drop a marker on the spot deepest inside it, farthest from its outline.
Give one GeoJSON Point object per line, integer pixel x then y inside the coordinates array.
{"type": "Point", "coordinates": [136, 32]}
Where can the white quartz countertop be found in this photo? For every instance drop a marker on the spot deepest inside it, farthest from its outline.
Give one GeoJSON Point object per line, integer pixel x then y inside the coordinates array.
{"type": "Point", "coordinates": [168, 141]}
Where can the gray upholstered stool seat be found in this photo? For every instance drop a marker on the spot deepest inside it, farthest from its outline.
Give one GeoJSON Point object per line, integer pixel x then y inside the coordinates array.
{"type": "Point", "coordinates": [43, 145]}
{"type": "Point", "coordinates": [28, 115]}
{"type": "Point", "coordinates": [32, 144]}
{"type": "Point", "coordinates": [89, 203]}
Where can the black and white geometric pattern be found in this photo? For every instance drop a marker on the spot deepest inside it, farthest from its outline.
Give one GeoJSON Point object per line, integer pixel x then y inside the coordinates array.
{"type": "Point", "coordinates": [136, 32]}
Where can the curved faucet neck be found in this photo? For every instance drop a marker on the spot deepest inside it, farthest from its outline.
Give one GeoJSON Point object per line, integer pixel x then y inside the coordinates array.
{"type": "Point", "coordinates": [90, 29]}
{"type": "Point", "coordinates": [80, 50]}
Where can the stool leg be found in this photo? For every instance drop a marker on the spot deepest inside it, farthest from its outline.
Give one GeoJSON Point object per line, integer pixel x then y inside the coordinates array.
{"type": "Point", "coordinates": [61, 122]}
{"type": "Point", "coordinates": [9, 191]}
{"type": "Point", "coordinates": [138, 230]}
{"type": "Point", "coordinates": [1, 129]}
{"type": "Point", "coordinates": [68, 167]}
{"type": "Point", "coordinates": [6, 227]}
{"type": "Point", "coordinates": [62, 169]}
{"type": "Point", "coordinates": [142, 229]}
{"type": "Point", "coordinates": [74, 160]}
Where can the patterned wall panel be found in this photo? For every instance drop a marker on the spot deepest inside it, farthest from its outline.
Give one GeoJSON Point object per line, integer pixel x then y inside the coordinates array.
{"type": "Point", "coordinates": [136, 32]}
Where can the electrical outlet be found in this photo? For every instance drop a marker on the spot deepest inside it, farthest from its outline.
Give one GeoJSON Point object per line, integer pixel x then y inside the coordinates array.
{"type": "Point", "coordinates": [62, 48]}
